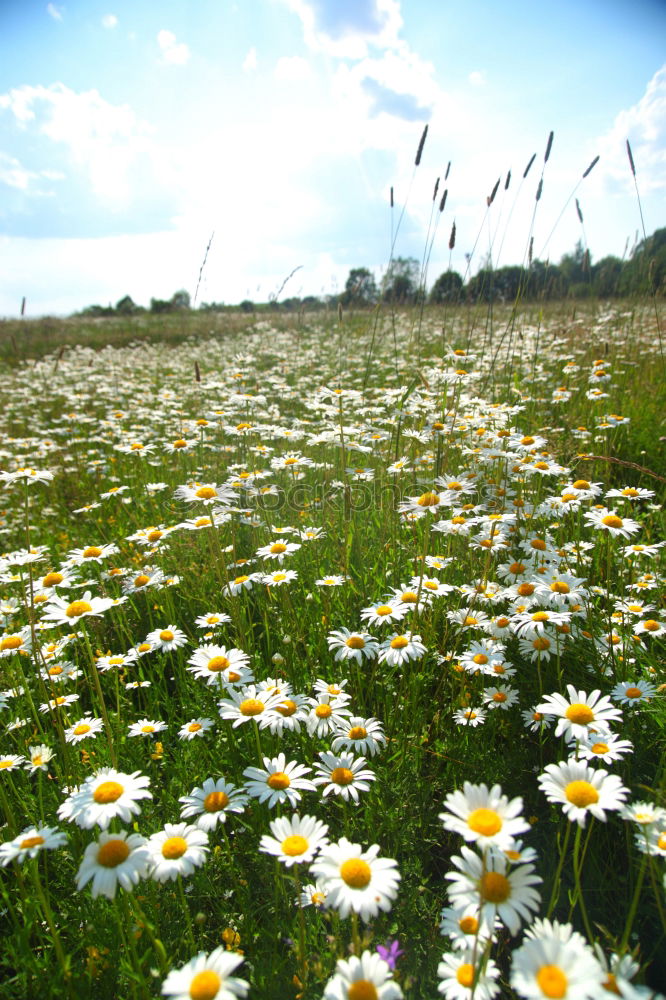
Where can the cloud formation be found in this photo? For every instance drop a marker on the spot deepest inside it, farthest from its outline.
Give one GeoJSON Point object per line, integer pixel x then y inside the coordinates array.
{"type": "Point", "coordinates": [345, 28]}
{"type": "Point", "coordinates": [109, 21]}
{"type": "Point", "coordinates": [174, 53]}
{"type": "Point", "coordinates": [55, 12]}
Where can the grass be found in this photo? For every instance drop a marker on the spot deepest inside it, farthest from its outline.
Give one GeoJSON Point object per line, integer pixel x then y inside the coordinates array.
{"type": "Point", "coordinates": [352, 396]}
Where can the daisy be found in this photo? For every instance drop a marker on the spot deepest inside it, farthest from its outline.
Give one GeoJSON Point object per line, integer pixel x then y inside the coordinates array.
{"type": "Point", "coordinates": [609, 521]}
{"type": "Point", "coordinates": [206, 494]}
{"type": "Point", "coordinates": [327, 715]}
{"type": "Point", "coordinates": [30, 842]}
{"type": "Point", "coordinates": [61, 701]}
{"type": "Point", "coordinates": [16, 642]}
{"type": "Point", "coordinates": [331, 581]}
{"type": "Point", "coordinates": [176, 850]}
{"type": "Point", "coordinates": [469, 717]}
{"type": "Point", "coordinates": [556, 962]}
{"type": "Point", "coordinates": [295, 840]}
{"type": "Point", "coordinates": [343, 775]}
{"type": "Point", "coordinates": [212, 620]}
{"type": "Point", "coordinates": [103, 796]}
{"type": "Point", "coordinates": [460, 977]}
{"type": "Point", "coordinates": [114, 661]}
{"type": "Point", "coordinates": [502, 697]}
{"type": "Point", "coordinates": [215, 663]}
{"type": "Point", "coordinates": [195, 728]}
{"type": "Point", "coordinates": [400, 649]}
{"type": "Point", "coordinates": [484, 817]}
{"type": "Point", "coordinates": [377, 614]}
{"type": "Point", "coordinates": [313, 894]}
{"type": "Point", "coordinates": [649, 627]}
{"type": "Point", "coordinates": [278, 782]}
{"type": "Point", "coordinates": [92, 553]}
{"type": "Point", "coordinates": [279, 549]}
{"type": "Point", "coordinates": [365, 736]}
{"type": "Point", "coordinates": [633, 692]}
{"type": "Point", "coordinates": [246, 704]}
{"type": "Point", "coordinates": [279, 577]}
{"type": "Point", "coordinates": [115, 859]}
{"type": "Point", "coordinates": [146, 727]}
{"type": "Point", "coordinates": [240, 583]}
{"type": "Point", "coordinates": [653, 840]}
{"type": "Point", "coordinates": [211, 803]}
{"type": "Point", "coordinates": [581, 713]}
{"type": "Point", "coordinates": [582, 789]}
{"type": "Point", "coordinates": [604, 747]}
{"type": "Point", "coordinates": [357, 880]}
{"type": "Point", "coordinates": [39, 757]}
{"type": "Point", "coordinates": [85, 728]}
{"type": "Point", "coordinates": [207, 977]}
{"type": "Point", "coordinates": [11, 761]}
{"type": "Point", "coordinates": [498, 890]}
{"type": "Point", "coordinates": [462, 926]}
{"type": "Point", "coordinates": [368, 976]}
{"type": "Point", "coordinates": [352, 645]}
{"type": "Point", "coordinates": [62, 612]}
{"type": "Point", "coordinates": [166, 639]}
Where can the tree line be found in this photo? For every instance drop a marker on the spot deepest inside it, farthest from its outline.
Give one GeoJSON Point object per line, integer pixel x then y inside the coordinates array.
{"type": "Point", "coordinates": [576, 276]}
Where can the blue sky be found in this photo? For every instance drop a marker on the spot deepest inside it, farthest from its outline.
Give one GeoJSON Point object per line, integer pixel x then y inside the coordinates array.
{"type": "Point", "coordinates": [131, 131]}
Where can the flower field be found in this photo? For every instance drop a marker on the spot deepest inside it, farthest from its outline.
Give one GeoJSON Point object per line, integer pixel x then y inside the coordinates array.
{"type": "Point", "coordinates": [332, 660]}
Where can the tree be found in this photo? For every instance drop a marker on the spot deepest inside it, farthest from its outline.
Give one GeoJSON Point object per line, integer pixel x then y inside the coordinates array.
{"type": "Point", "coordinates": [360, 288]}
{"type": "Point", "coordinates": [126, 306]}
{"type": "Point", "coordinates": [401, 281]}
{"type": "Point", "coordinates": [447, 288]}
{"type": "Point", "coordinates": [180, 299]}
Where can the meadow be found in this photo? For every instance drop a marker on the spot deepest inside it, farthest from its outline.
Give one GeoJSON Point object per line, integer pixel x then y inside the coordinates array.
{"type": "Point", "coordinates": [332, 655]}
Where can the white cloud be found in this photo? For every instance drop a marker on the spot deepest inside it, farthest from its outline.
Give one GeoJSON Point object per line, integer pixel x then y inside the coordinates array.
{"type": "Point", "coordinates": [109, 21]}
{"type": "Point", "coordinates": [644, 125]}
{"type": "Point", "coordinates": [55, 12]}
{"type": "Point", "coordinates": [477, 78]}
{"type": "Point", "coordinates": [174, 53]}
{"type": "Point", "coordinates": [103, 138]}
{"type": "Point", "coordinates": [292, 68]}
{"type": "Point", "coordinates": [345, 28]}
{"type": "Point", "coordinates": [250, 61]}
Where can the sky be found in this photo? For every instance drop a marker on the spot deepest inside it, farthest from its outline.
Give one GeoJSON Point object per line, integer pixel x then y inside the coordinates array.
{"type": "Point", "coordinates": [133, 131]}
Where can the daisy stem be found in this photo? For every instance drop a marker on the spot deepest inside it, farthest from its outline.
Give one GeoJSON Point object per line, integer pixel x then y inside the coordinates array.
{"type": "Point", "coordinates": [125, 923]}
{"type": "Point", "coordinates": [9, 815]}
{"type": "Point", "coordinates": [48, 915]}
{"type": "Point", "coordinates": [258, 742]}
{"type": "Point", "coordinates": [302, 966]}
{"type": "Point", "coordinates": [100, 697]}
{"type": "Point", "coordinates": [186, 912]}
{"type": "Point", "coordinates": [555, 892]}
{"type": "Point", "coordinates": [578, 865]}
{"type": "Point", "coordinates": [356, 938]}
{"type": "Point", "coordinates": [142, 921]}
{"type": "Point", "coordinates": [634, 905]}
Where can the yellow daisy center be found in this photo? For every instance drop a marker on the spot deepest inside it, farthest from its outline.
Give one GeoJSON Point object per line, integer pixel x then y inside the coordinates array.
{"type": "Point", "coordinates": [362, 989]}
{"type": "Point", "coordinates": [356, 873]}
{"type": "Point", "coordinates": [465, 975]}
{"type": "Point", "coordinates": [428, 500]}
{"type": "Point", "coordinates": [108, 791]}
{"type": "Point", "coordinates": [215, 801]}
{"type": "Point", "coordinates": [651, 625]}
{"type": "Point", "coordinates": [174, 848]}
{"type": "Point", "coordinates": [180, 443]}
{"type": "Point", "coordinates": [92, 552]}
{"type": "Point", "coordinates": [612, 521]}
{"type": "Point", "coordinates": [166, 635]}
{"type": "Point", "coordinates": [205, 493]}
{"type": "Point", "coordinates": [77, 608]}
{"type": "Point", "coordinates": [251, 706]}
{"type": "Point", "coordinates": [29, 842]}
{"type": "Point", "coordinates": [409, 597]}
{"type": "Point", "coordinates": [278, 548]}
{"type": "Point", "coordinates": [383, 609]}
{"type": "Point", "coordinates": [599, 748]}
{"type": "Point", "coordinates": [202, 522]}
{"type": "Point", "coordinates": [295, 845]}
{"type": "Point", "coordinates": [525, 589]}
{"type": "Point", "coordinates": [560, 587]}
{"type": "Point", "coordinates": [278, 781]}
{"type": "Point", "coordinates": [495, 887]}
{"type": "Point", "coordinates": [205, 985]}
{"type": "Point", "coordinates": [323, 711]}
{"type": "Point", "coordinates": [241, 579]}
{"type": "Point", "coordinates": [194, 727]}
{"type": "Point", "coordinates": [113, 853]}
{"type": "Point", "coordinates": [541, 643]}
{"type": "Point", "coordinates": [579, 714]}
{"type": "Point", "coordinates": [52, 579]}
{"type": "Point", "coordinates": [154, 536]}
{"type": "Point", "coordinates": [286, 707]}
{"type": "Point", "coordinates": [480, 659]}
{"type": "Point", "coordinates": [218, 663]}
{"type": "Point", "coordinates": [357, 733]}
{"type": "Point", "coordinates": [552, 982]}
{"type": "Point", "coordinates": [11, 642]}
{"type": "Point", "coordinates": [81, 730]}
{"type": "Point", "coordinates": [581, 793]}
{"type": "Point", "coordinates": [499, 697]}
{"type": "Point", "coordinates": [633, 692]}
{"type": "Point", "coordinates": [468, 925]}
{"type": "Point", "coordinates": [141, 580]}
{"type": "Point", "coordinates": [399, 642]}
{"type": "Point", "coordinates": [342, 776]}
{"type": "Point", "coordinates": [355, 642]}
{"type": "Point", "coordinates": [485, 822]}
